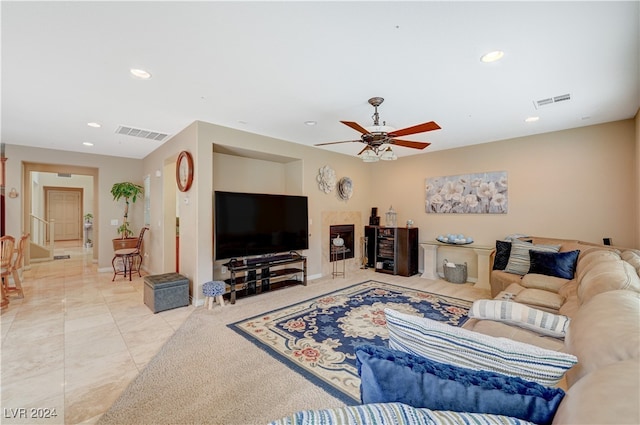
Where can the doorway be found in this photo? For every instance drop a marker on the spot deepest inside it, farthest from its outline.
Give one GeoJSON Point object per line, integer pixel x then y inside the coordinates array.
{"type": "Point", "coordinates": [33, 198]}
{"type": "Point", "coordinates": [63, 205]}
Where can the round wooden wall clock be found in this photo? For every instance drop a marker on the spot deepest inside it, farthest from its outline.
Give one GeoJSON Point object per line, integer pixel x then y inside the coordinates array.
{"type": "Point", "coordinates": [184, 171]}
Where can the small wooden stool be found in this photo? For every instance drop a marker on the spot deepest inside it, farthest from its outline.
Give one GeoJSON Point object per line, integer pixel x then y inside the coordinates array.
{"type": "Point", "coordinates": [211, 290]}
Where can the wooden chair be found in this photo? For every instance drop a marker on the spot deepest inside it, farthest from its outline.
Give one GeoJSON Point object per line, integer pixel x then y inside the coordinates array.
{"type": "Point", "coordinates": [7, 244]}
{"type": "Point", "coordinates": [16, 267]}
{"type": "Point", "coordinates": [127, 257]}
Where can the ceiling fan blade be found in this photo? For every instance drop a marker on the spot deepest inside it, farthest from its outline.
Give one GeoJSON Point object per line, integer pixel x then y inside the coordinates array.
{"type": "Point", "coordinates": [357, 127]}
{"type": "Point", "coordinates": [363, 149]}
{"type": "Point", "coordinates": [420, 128]}
{"type": "Point", "coordinates": [409, 144]}
{"type": "Point", "coordinates": [334, 143]}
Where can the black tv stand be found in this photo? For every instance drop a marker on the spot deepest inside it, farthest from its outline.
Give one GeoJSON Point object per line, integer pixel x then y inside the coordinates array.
{"type": "Point", "coordinates": [261, 274]}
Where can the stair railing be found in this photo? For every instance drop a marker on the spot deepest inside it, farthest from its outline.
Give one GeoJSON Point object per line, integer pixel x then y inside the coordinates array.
{"type": "Point", "coordinates": [42, 232]}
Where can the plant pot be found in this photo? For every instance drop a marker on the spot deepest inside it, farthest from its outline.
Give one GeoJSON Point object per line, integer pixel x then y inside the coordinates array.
{"type": "Point", "coordinates": [120, 243]}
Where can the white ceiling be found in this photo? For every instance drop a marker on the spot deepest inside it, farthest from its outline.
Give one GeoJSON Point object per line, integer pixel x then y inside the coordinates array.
{"type": "Point", "coordinates": [267, 67]}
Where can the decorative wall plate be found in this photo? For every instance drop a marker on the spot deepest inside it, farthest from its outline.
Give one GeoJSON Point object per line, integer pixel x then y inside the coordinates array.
{"type": "Point", "coordinates": [345, 188]}
{"type": "Point", "coordinates": [326, 179]}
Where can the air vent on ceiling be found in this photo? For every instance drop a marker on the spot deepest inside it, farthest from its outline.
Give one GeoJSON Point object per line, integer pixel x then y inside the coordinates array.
{"type": "Point", "coordinates": [551, 100]}
{"type": "Point", "coordinates": [145, 134]}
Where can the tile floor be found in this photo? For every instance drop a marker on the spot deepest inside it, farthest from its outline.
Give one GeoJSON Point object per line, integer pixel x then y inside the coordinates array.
{"type": "Point", "coordinates": [75, 341]}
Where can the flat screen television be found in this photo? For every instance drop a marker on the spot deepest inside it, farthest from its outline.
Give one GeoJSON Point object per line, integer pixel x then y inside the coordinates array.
{"type": "Point", "coordinates": [250, 224]}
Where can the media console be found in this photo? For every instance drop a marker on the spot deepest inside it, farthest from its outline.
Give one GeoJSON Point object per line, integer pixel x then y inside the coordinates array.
{"type": "Point", "coordinates": [261, 274]}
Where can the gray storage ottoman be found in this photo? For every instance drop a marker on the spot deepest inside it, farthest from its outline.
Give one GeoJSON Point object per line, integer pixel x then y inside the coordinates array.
{"type": "Point", "coordinates": [166, 291]}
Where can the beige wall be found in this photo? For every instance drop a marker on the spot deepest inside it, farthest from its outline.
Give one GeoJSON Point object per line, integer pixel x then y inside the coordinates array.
{"type": "Point", "coordinates": [580, 183]}
{"type": "Point", "coordinates": [571, 184]}
{"type": "Point", "coordinates": [110, 170]}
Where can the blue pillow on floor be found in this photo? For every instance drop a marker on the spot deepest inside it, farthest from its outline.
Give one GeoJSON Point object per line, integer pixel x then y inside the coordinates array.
{"type": "Point", "coordinates": [393, 376]}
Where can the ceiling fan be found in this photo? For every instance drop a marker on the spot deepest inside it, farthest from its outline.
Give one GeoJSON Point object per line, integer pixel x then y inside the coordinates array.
{"type": "Point", "coordinates": [379, 135]}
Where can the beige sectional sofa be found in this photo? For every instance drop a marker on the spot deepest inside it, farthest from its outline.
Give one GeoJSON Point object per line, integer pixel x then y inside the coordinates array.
{"type": "Point", "coordinates": [603, 304]}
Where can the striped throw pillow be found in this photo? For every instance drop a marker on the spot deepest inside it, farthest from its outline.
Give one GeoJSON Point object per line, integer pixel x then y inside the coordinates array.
{"type": "Point", "coordinates": [543, 322]}
{"type": "Point", "coordinates": [392, 413]}
{"type": "Point", "coordinates": [519, 261]}
{"type": "Point", "coordinates": [460, 347]}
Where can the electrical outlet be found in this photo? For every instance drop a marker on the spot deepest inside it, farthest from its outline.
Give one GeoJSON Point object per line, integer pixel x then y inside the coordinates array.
{"type": "Point", "coordinates": [223, 270]}
{"type": "Point", "coordinates": [114, 222]}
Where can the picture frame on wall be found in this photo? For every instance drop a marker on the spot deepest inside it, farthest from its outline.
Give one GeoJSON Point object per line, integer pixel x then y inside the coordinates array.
{"type": "Point", "coordinates": [478, 193]}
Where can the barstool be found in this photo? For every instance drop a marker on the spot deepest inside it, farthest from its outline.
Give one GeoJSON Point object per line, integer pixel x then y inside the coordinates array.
{"type": "Point", "coordinates": [211, 290]}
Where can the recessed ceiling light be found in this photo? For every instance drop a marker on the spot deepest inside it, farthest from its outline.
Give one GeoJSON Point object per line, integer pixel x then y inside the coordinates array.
{"type": "Point", "coordinates": [492, 56]}
{"type": "Point", "coordinates": [140, 73]}
{"type": "Point", "coordinates": [311, 123]}
{"type": "Point", "coordinates": [532, 119]}
{"type": "Point", "coordinates": [94, 124]}
{"type": "Point", "coordinates": [87, 143]}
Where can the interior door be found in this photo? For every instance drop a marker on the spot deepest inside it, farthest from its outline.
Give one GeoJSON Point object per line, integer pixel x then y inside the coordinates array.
{"type": "Point", "coordinates": [65, 207]}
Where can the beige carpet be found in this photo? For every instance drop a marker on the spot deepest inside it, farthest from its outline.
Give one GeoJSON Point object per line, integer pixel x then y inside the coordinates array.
{"type": "Point", "coordinates": [208, 374]}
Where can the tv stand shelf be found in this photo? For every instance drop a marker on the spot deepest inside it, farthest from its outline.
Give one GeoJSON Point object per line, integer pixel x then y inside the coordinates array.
{"type": "Point", "coordinates": [254, 276]}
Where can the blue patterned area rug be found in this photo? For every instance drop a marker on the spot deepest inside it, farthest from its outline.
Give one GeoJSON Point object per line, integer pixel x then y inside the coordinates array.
{"type": "Point", "coordinates": [317, 337]}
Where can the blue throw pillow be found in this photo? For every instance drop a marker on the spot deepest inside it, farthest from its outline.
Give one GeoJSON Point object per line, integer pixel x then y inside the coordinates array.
{"type": "Point", "coordinates": [558, 264]}
{"type": "Point", "coordinates": [393, 376]}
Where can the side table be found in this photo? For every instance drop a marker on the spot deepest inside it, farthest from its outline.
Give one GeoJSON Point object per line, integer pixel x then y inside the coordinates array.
{"type": "Point", "coordinates": [337, 258]}
{"type": "Point", "coordinates": [483, 253]}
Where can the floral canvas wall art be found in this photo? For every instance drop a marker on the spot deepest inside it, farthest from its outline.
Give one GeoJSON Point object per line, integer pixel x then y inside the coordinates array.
{"type": "Point", "coordinates": [479, 193]}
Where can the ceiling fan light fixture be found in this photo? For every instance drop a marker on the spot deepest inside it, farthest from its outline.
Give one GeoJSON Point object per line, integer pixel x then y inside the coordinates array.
{"type": "Point", "coordinates": [388, 155]}
{"type": "Point", "coordinates": [380, 129]}
{"type": "Point", "coordinates": [368, 155]}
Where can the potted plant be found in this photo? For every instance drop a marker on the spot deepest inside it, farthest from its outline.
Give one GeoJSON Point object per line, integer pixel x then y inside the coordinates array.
{"type": "Point", "coordinates": [129, 192]}
{"type": "Point", "coordinates": [88, 220]}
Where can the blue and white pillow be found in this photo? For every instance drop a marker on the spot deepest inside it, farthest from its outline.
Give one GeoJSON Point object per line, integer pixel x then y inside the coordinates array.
{"type": "Point", "coordinates": [519, 261]}
{"type": "Point", "coordinates": [392, 413]}
{"type": "Point", "coordinates": [460, 347]}
{"type": "Point", "coordinates": [543, 322]}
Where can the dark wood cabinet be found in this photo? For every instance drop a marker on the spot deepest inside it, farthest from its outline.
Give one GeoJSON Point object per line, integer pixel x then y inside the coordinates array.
{"type": "Point", "coordinates": [392, 250]}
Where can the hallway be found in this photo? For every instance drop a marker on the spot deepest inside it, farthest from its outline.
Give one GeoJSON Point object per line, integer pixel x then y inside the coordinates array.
{"type": "Point", "coordinates": [76, 340]}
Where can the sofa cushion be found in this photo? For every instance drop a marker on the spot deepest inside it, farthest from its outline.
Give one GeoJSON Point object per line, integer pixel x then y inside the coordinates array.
{"type": "Point", "coordinates": [605, 276]}
{"type": "Point", "coordinates": [558, 264]}
{"type": "Point", "coordinates": [605, 330]}
{"type": "Point", "coordinates": [389, 376]}
{"type": "Point", "coordinates": [541, 281]}
{"type": "Point", "coordinates": [503, 250]}
{"type": "Point", "coordinates": [460, 347]}
{"type": "Point", "coordinates": [588, 258]}
{"type": "Point", "coordinates": [501, 280]}
{"type": "Point", "coordinates": [543, 322]}
{"type": "Point", "coordinates": [632, 257]}
{"type": "Point", "coordinates": [608, 395]}
{"type": "Point", "coordinates": [519, 262]}
{"type": "Point", "coordinates": [545, 300]}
